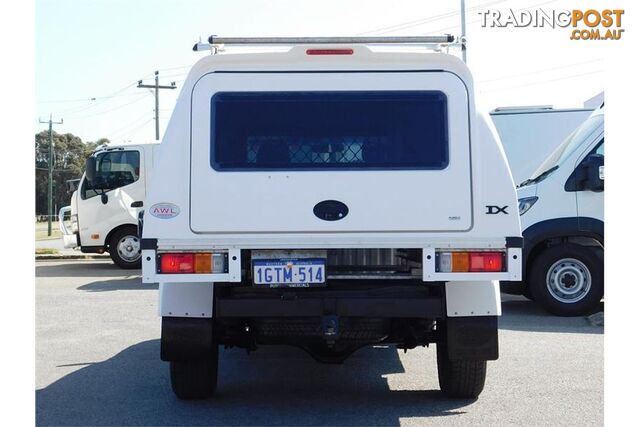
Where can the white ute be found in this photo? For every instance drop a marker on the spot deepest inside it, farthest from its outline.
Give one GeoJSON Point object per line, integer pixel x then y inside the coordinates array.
{"type": "Point", "coordinates": [331, 194]}
{"type": "Point", "coordinates": [104, 209]}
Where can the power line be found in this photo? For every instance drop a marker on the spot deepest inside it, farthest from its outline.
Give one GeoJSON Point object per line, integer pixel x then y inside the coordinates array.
{"type": "Point", "coordinates": [408, 24]}
{"type": "Point", "coordinates": [91, 99]}
{"type": "Point", "coordinates": [92, 102]}
{"type": "Point", "coordinates": [175, 75]}
{"type": "Point", "coordinates": [111, 109]}
{"type": "Point", "coordinates": [134, 129]}
{"type": "Point", "coordinates": [478, 20]}
{"type": "Point", "coordinates": [175, 68]}
{"type": "Point", "coordinates": [542, 82]}
{"type": "Point", "coordinates": [540, 71]}
{"type": "Point", "coordinates": [119, 130]}
{"type": "Point", "coordinates": [418, 22]}
{"type": "Point", "coordinates": [98, 102]}
{"type": "Point", "coordinates": [61, 101]}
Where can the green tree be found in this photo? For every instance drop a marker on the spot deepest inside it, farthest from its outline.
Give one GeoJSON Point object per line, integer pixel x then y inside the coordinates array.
{"type": "Point", "coordinates": [70, 154]}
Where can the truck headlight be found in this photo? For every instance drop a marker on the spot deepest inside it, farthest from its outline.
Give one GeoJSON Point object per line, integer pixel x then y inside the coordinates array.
{"type": "Point", "coordinates": [525, 204]}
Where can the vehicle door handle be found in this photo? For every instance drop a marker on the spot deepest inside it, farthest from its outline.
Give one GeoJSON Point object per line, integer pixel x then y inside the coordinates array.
{"type": "Point", "coordinates": [137, 204]}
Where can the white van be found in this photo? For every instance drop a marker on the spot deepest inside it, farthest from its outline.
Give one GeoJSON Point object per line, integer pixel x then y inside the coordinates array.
{"type": "Point", "coordinates": [104, 213]}
{"type": "Point", "coordinates": [529, 134]}
{"type": "Point", "coordinates": [330, 195]}
{"type": "Point", "coordinates": [562, 214]}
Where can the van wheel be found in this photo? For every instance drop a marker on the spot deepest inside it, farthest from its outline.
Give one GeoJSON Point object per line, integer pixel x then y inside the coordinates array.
{"type": "Point", "coordinates": [460, 378]}
{"type": "Point", "coordinates": [568, 279]}
{"type": "Point", "coordinates": [195, 379]}
{"type": "Point", "coordinates": [124, 248]}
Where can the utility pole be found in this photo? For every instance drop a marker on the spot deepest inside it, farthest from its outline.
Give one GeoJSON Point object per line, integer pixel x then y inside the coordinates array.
{"type": "Point", "coordinates": [463, 36]}
{"type": "Point", "coordinates": [50, 169]}
{"type": "Point", "coordinates": [157, 88]}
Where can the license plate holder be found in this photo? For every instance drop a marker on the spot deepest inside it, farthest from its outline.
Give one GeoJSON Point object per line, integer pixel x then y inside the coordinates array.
{"type": "Point", "coordinates": [289, 272]}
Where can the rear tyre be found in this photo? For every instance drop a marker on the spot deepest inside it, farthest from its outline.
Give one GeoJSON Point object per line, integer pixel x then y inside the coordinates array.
{"type": "Point", "coordinates": [125, 249]}
{"type": "Point", "coordinates": [195, 379]}
{"type": "Point", "coordinates": [460, 378]}
{"type": "Point", "coordinates": [568, 279]}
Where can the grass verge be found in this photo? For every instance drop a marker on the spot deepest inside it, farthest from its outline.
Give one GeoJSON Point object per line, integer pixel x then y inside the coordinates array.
{"type": "Point", "coordinates": [46, 251]}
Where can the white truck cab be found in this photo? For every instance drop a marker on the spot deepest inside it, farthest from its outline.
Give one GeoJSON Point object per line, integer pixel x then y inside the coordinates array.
{"type": "Point", "coordinates": [104, 212]}
{"type": "Point", "coordinates": [562, 214]}
{"type": "Point", "coordinates": [331, 195]}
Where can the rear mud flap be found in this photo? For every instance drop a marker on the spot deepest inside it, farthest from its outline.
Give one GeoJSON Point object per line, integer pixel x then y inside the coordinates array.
{"type": "Point", "coordinates": [186, 339]}
{"type": "Point", "coordinates": [472, 338]}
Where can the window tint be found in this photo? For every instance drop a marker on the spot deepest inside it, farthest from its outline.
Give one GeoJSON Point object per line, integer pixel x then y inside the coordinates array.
{"type": "Point", "coordinates": [329, 130]}
{"type": "Point", "coordinates": [600, 149]}
{"type": "Point", "coordinates": [116, 168]}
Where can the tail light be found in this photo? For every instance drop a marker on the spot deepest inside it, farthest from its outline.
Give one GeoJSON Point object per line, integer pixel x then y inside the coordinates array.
{"type": "Point", "coordinates": [193, 263]}
{"type": "Point", "coordinates": [463, 262]}
{"type": "Point", "coordinates": [177, 263]}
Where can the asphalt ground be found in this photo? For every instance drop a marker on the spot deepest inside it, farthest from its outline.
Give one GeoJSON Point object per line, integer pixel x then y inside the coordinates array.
{"type": "Point", "coordinates": [98, 363]}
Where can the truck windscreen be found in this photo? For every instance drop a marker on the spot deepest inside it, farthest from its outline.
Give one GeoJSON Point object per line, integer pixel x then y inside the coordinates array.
{"type": "Point", "coordinates": [329, 130]}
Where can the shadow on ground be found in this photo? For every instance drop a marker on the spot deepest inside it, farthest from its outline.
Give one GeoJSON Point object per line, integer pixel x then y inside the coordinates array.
{"type": "Point", "coordinates": [130, 284]}
{"type": "Point", "coordinates": [274, 386]}
{"type": "Point", "coordinates": [521, 314]}
{"type": "Point", "coordinates": [81, 268]}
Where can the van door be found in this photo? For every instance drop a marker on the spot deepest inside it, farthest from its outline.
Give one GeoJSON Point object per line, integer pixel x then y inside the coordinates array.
{"type": "Point", "coordinates": [315, 152]}
{"type": "Point", "coordinates": [591, 203]}
{"type": "Point", "coordinates": [95, 219]}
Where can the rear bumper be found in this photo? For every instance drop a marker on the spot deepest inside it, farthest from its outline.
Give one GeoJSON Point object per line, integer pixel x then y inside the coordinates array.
{"type": "Point", "coordinates": [70, 238]}
{"type": "Point", "coordinates": [92, 249]}
{"type": "Point", "coordinates": [345, 299]}
{"type": "Point", "coordinates": [423, 308]}
{"type": "Point", "coordinates": [71, 241]}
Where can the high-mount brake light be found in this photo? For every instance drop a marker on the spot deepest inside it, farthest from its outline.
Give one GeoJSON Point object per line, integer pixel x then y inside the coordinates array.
{"type": "Point", "coordinates": [329, 51]}
{"type": "Point", "coordinates": [468, 262]}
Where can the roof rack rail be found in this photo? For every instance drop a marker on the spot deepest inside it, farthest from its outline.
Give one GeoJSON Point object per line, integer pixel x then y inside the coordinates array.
{"type": "Point", "coordinates": [524, 107]}
{"type": "Point", "coordinates": [215, 42]}
{"type": "Point", "coordinates": [447, 38]}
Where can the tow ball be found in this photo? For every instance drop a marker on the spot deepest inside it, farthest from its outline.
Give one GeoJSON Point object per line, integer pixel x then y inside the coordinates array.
{"type": "Point", "coordinates": [330, 328]}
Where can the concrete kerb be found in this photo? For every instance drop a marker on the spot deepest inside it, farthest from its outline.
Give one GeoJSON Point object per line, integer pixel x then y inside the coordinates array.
{"type": "Point", "coordinates": [67, 257]}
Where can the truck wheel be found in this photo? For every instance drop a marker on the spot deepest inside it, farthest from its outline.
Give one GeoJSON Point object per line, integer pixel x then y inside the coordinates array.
{"type": "Point", "coordinates": [460, 378]}
{"type": "Point", "coordinates": [124, 248]}
{"type": "Point", "coordinates": [568, 279]}
{"type": "Point", "coordinates": [195, 379]}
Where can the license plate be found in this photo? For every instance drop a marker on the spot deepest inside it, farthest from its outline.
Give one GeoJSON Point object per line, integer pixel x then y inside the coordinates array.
{"type": "Point", "coordinates": [293, 272]}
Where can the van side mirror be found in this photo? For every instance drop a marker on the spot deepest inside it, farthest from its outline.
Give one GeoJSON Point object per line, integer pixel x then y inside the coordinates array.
{"type": "Point", "coordinates": [588, 176]}
{"type": "Point", "coordinates": [594, 164]}
{"type": "Point", "coordinates": [90, 168]}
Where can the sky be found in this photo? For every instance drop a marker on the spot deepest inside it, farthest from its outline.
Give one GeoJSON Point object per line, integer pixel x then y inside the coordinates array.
{"type": "Point", "coordinates": [90, 54]}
